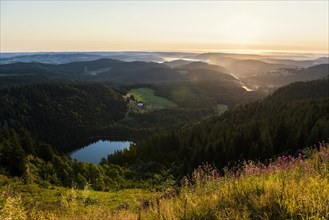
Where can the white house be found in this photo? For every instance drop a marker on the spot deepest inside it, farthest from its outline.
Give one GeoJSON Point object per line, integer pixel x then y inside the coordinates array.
{"type": "Point", "coordinates": [140, 105]}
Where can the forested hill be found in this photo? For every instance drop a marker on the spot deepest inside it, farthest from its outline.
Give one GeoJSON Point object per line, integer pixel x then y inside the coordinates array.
{"type": "Point", "coordinates": [60, 113]}
{"type": "Point", "coordinates": [285, 76]}
{"type": "Point", "coordinates": [302, 91]}
{"type": "Point", "coordinates": [108, 70]}
{"type": "Point", "coordinates": [293, 117]}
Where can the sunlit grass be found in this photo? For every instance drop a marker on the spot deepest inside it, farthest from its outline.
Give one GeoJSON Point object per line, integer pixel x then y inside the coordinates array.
{"type": "Point", "coordinates": [287, 188]}
{"type": "Point", "coordinates": [21, 201]}
{"type": "Point", "coordinates": [150, 100]}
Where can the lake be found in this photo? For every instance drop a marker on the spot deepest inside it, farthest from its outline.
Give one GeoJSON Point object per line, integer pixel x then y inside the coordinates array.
{"type": "Point", "coordinates": [94, 152]}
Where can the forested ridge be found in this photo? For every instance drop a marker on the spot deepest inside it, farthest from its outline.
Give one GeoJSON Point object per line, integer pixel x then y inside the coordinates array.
{"type": "Point", "coordinates": [37, 162]}
{"type": "Point", "coordinates": [107, 70]}
{"type": "Point", "coordinates": [165, 166]}
{"type": "Point", "coordinates": [60, 114]}
{"type": "Point", "coordinates": [164, 110]}
{"type": "Point", "coordinates": [63, 114]}
{"type": "Point", "coordinates": [293, 117]}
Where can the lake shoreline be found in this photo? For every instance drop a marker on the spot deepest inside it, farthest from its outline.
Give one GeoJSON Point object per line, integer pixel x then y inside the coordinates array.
{"type": "Point", "coordinates": [93, 139]}
{"type": "Point", "coordinates": [93, 151]}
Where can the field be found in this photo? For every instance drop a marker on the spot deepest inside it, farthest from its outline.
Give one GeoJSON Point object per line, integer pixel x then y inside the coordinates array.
{"type": "Point", "coordinates": [151, 101]}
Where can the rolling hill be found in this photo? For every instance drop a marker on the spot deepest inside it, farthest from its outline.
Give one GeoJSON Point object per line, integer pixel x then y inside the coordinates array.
{"type": "Point", "coordinates": [61, 114]}
{"type": "Point", "coordinates": [108, 70]}
{"type": "Point", "coordinates": [284, 76]}
{"type": "Point", "coordinates": [296, 60]}
{"type": "Point", "coordinates": [245, 68]}
{"type": "Point", "coordinates": [204, 66]}
{"type": "Point", "coordinates": [292, 117]}
{"type": "Point", "coordinates": [69, 57]}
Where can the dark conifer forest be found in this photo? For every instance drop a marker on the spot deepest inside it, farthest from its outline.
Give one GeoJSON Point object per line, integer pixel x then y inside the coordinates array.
{"type": "Point", "coordinates": [164, 110]}
{"type": "Point", "coordinates": [192, 122]}
{"type": "Point", "coordinates": [40, 121]}
{"type": "Point", "coordinates": [291, 118]}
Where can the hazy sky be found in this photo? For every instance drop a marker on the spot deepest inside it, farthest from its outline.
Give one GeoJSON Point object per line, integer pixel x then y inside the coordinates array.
{"type": "Point", "coordinates": [164, 25]}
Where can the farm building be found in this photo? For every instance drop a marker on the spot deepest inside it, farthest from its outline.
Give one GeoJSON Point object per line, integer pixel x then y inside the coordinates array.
{"type": "Point", "coordinates": [140, 105]}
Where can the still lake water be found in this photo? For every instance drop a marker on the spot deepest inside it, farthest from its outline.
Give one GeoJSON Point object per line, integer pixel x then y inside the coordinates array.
{"type": "Point", "coordinates": [94, 152]}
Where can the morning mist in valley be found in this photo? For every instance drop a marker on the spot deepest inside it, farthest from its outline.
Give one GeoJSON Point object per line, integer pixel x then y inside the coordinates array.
{"type": "Point", "coordinates": [164, 109]}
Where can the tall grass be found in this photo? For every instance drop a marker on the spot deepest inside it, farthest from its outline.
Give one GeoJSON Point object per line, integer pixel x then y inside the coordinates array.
{"type": "Point", "coordinates": [286, 188]}
{"type": "Point", "coordinates": [12, 206]}
{"type": "Point", "coordinates": [68, 203]}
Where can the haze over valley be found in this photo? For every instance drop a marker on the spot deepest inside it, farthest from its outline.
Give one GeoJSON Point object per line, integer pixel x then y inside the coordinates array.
{"type": "Point", "coordinates": [218, 111]}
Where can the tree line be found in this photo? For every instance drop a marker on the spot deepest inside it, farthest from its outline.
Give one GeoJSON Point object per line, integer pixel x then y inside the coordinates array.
{"type": "Point", "coordinates": [61, 114]}
{"type": "Point", "coordinates": [291, 118]}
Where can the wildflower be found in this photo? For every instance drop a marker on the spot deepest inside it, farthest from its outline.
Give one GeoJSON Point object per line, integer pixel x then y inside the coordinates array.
{"type": "Point", "coordinates": [184, 181]}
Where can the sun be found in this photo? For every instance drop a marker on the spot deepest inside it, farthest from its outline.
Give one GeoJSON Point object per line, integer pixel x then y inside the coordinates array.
{"type": "Point", "coordinates": [243, 29]}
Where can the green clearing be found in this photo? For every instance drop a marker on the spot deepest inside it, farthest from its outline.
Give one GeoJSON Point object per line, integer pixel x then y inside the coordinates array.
{"type": "Point", "coordinates": [151, 101]}
{"type": "Point", "coordinates": [20, 201]}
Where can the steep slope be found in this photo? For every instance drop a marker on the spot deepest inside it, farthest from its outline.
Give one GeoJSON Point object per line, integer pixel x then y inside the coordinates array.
{"type": "Point", "coordinates": [60, 114]}
{"type": "Point", "coordinates": [290, 118]}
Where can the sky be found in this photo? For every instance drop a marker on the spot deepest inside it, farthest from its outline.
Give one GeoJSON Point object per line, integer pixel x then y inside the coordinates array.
{"type": "Point", "coordinates": [40, 26]}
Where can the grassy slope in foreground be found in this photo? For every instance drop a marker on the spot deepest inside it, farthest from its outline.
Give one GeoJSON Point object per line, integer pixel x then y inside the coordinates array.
{"type": "Point", "coordinates": [30, 201]}
{"type": "Point", "coordinates": [288, 188]}
{"type": "Point", "coordinates": [150, 100]}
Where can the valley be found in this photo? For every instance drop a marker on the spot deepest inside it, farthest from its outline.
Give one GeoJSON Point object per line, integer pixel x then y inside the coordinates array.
{"type": "Point", "coordinates": [164, 110]}
{"type": "Point", "coordinates": [126, 139]}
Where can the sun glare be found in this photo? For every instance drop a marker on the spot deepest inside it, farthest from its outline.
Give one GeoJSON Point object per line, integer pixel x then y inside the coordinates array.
{"type": "Point", "coordinates": [145, 25]}
{"type": "Point", "coordinates": [243, 29]}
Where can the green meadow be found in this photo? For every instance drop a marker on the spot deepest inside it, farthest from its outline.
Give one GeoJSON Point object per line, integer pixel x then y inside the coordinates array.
{"type": "Point", "coordinates": [151, 101]}
{"type": "Point", "coordinates": [19, 200]}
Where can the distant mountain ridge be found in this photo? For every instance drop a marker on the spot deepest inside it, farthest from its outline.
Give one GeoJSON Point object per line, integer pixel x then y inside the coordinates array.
{"type": "Point", "coordinates": [253, 71]}
{"type": "Point", "coordinates": [202, 65]}
{"type": "Point", "coordinates": [225, 59]}
{"type": "Point", "coordinates": [248, 67]}
{"type": "Point", "coordinates": [68, 57]}
{"type": "Point", "coordinates": [112, 71]}
{"type": "Point", "coordinates": [284, 76]}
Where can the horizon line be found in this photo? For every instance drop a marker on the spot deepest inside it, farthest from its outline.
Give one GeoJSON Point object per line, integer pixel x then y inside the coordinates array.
{"type": "Point", "coordinates": [238, 51]}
